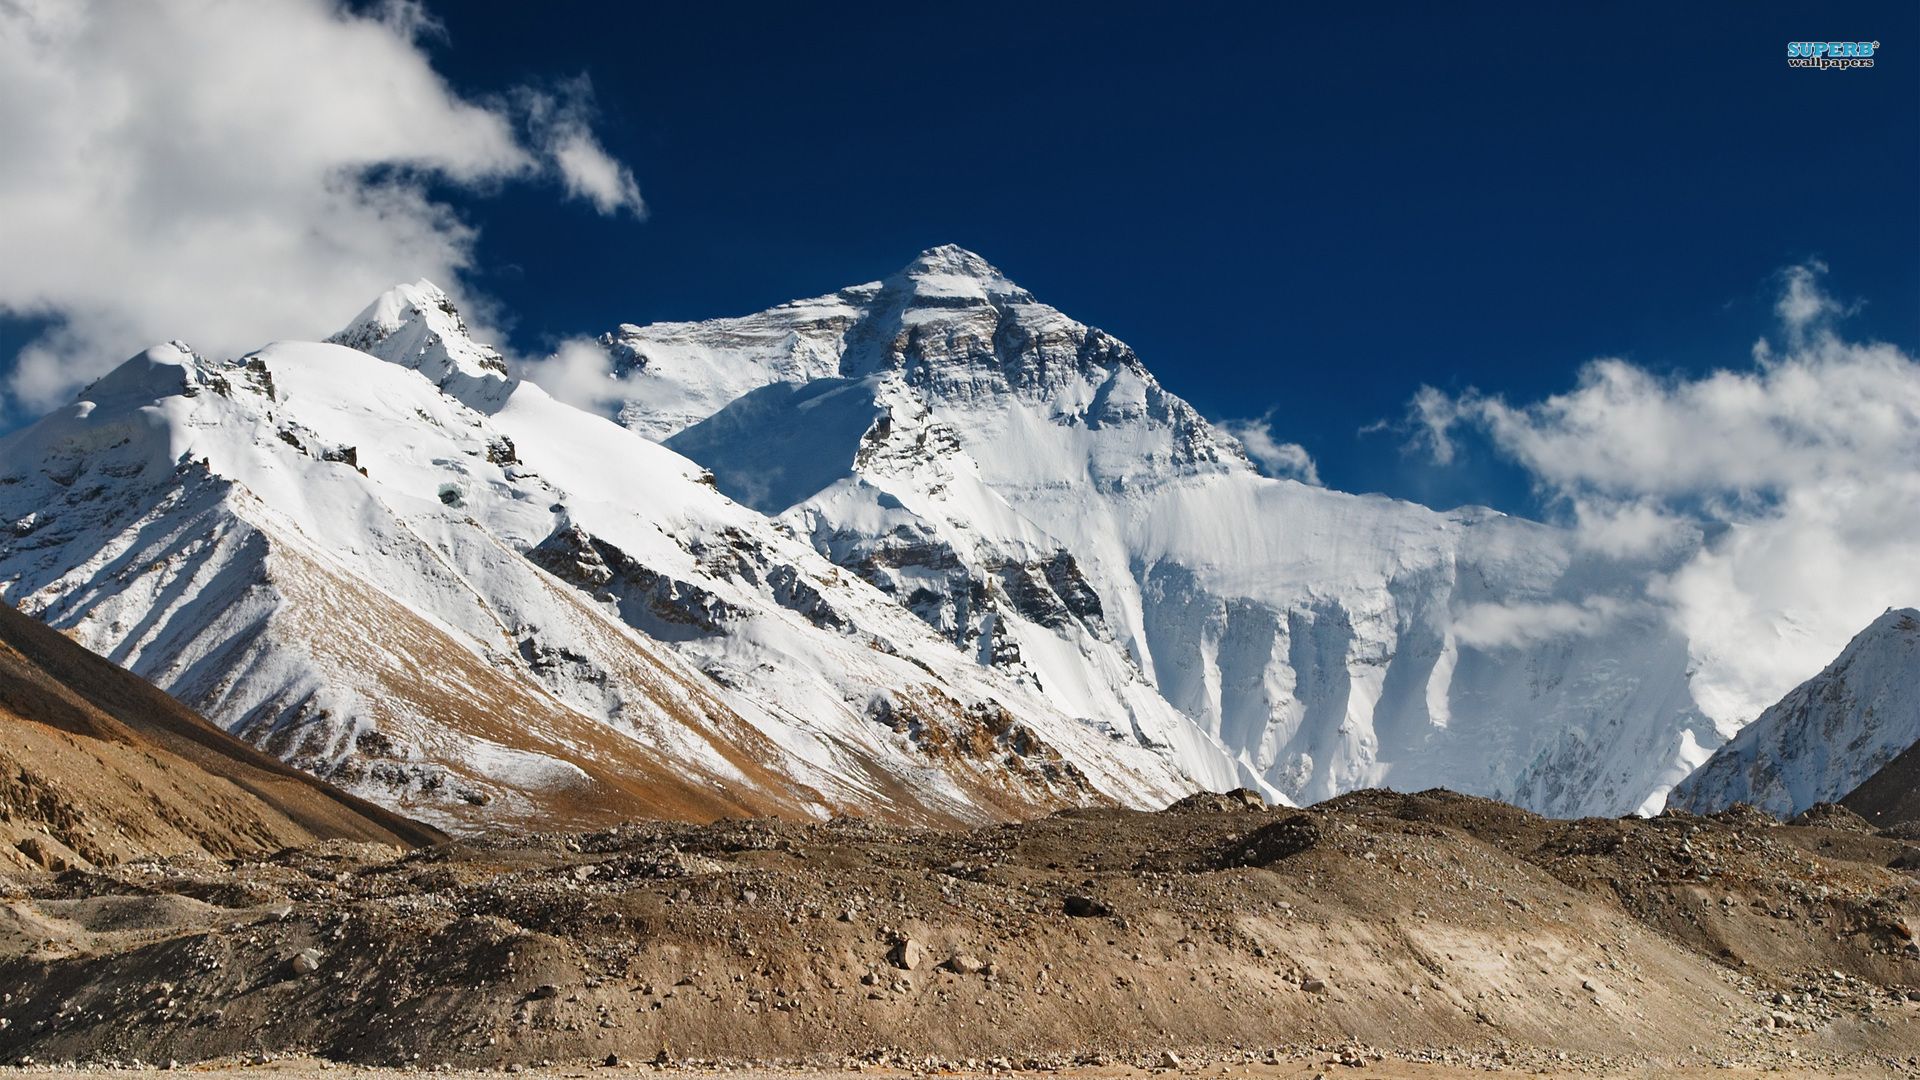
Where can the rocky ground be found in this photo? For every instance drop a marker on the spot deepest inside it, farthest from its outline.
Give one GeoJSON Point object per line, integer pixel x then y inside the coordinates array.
{"type": "Point", "coordinates": [1296, 1065]}
{"type": "Point", "coordinates": [1426, 932]}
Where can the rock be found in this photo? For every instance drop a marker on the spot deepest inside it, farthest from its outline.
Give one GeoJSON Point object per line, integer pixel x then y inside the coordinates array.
{"type": "Point", "coordinates": [42, 853]}
{"type": "Point", "coordinates": [906, 954]}
{"type": "Point", "coordinates": [1313, 986]}
{"type": "Point", "coordinates": [306, 961]}
{"type": "Point", "coordinates": [1826, 815]}
{"type": "Point", "coordinates": [1214, 802]}
{"type": "Point", "coordinates": [612, 1061]}
{"type": "Point", "coordinates": [1269, 844]}
{"type": "Point", "coordinates": [545, 991]}
{"type": "Point", "coordinates": [1169, 1060]}
{"type": "Point", "coordinates": [963, 964]}
{"type": "Point", "coordinates": [1085, 907]}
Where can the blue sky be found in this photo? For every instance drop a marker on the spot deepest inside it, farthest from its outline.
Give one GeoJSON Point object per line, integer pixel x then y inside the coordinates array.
{"type": "Point", "coordinates": [1310, 215]}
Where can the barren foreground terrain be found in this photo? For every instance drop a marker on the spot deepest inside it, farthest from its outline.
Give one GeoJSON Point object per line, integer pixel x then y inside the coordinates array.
{"type": "Point", "coordinates": [1299, 1066]}
{"type": "Point", "coordinates": [1421, 935]}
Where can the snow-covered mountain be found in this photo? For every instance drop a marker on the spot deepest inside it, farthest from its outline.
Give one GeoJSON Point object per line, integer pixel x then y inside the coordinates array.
{"type": "Point", "coordinates": [924, 547]}
{"type": "Point", "coordinates": [1026, 487]}
{"type": "Point", "coordinates": [397, 567]}
{"type": "Point", "coordinates": [1828, 735]}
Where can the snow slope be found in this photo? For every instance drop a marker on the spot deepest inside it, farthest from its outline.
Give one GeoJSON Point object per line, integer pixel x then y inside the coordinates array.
{"type": "Point", "coordinates": [1828, 735]}
{"type": "Point", "coordinates": [396, 567]}
{"type": "Point", "coordinates": [1024, 485]}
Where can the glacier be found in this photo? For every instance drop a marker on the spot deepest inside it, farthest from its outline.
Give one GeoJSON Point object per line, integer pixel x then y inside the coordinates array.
{"type": "Point", "coordinates": [443, 589]}
{"type": "Point", "coordinates": [924, 547]}
{"type": "Point", "coordinates": [954, 441]}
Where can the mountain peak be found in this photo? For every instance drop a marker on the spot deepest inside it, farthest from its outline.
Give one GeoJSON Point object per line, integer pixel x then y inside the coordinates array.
{"type": "Point", "coordinates": [1894, 619]}
{"type": "Point", "coordinates": [950, 275]}
{"type": "Point", "coordinates": [1827, 735]}
{"type": "Point", "coordinates": [951, 259]}
{"type": "Point", "coordinates": [417, 325]}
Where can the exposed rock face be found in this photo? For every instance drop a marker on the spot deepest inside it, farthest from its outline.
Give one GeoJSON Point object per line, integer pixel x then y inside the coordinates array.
{"type": "Point", "coordinates": [1890, 797]}
{"type": "Point", "coordinates": [924, 547]}
{"type": "Point", "coordinates": [1024, 484]}
{"type": "Point", "coordinates": [1826, 737]}
{"type": "Point", "coordinates": [396, 568]}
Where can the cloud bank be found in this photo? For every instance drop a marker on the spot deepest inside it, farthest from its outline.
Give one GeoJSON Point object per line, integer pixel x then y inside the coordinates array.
{"type": "Point", "coordinates": [227, 171]}
{"type": "Point", "coordinates": [1794, 481]}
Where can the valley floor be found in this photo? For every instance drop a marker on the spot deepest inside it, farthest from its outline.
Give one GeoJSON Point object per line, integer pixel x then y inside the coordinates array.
{"type": "Point", "coordinates": [1300, 1066]}
{"type": "Point", "coordinates": [1375, 927]}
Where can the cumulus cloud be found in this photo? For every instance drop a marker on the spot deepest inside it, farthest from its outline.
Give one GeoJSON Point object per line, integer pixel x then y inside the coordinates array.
{"type": "Point", "coordinates": [1275, 458]}
{"type": "Point", "coordinates": [1789, 487]}
{"type": "Point", "coordinates": [229, 172]}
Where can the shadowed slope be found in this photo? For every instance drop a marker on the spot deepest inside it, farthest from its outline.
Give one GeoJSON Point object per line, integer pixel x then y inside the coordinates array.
{"type": "Point", "coordinates": [1891, 795]}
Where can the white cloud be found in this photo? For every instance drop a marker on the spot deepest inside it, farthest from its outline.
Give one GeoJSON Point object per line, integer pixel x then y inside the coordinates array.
{"type": "Point", "coordinates": [1630, 528]}
{"type": "Point", "coordinates": [228, 172]}
{"type": "Point", "coordinates": [590, 174]}
{"type": "Point", "coordinates": [560, 122]}
{"type": "Point", "coordinates": [1794, 481]}
{"type": "Point", "coordinates": [1274, 457]}
{"type": "Point", "coordinates": [1803, 303]}
{"type": "Point", "coordinates": [1495, 626]}
{"type": "Point", "coordinates": [579, 373]}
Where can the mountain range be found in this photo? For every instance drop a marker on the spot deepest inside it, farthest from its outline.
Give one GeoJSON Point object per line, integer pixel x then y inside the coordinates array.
{"type": "Point", "coordinates": [924, 548]}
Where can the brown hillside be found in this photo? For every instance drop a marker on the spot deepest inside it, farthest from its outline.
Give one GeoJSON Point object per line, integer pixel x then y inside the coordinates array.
{"type": "Point", "coordinates": [98, 766]}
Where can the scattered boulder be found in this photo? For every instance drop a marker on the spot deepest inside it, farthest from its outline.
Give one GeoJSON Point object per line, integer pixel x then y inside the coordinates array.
{"type": "Point", "coordinates": [1269, 844]}
{"type": "Point", "coordinates": [1219, 802]}
{"type": "Point", "coordinates": [963, 964]}
{"type": "Point", "coordinates": [1742, 814]}
{"type": "Point", "coordinates": [906, 954]}
{"type": "Point", "coordinates": [1085, 907]}
{"type": "Point", "coordinates": [1826, 815]}
{"type": "Point", "coordinates": [306, 961]}
{"type": "Point", "coordinates": [43, 853]}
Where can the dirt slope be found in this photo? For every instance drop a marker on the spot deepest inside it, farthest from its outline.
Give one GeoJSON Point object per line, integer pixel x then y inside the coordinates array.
{"type": "Point", "coordinates": [98, 766]}
{"type": "Point", "coordinates": [1892, 795]}
{"type": "Point", "coordinates": [1430, 923]}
